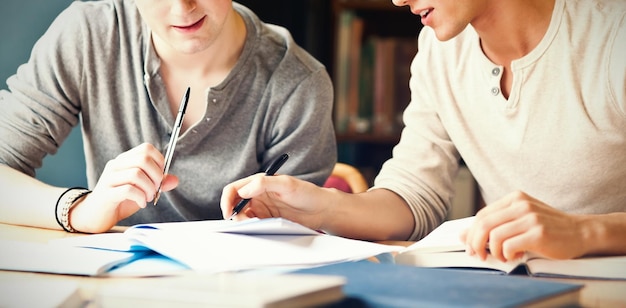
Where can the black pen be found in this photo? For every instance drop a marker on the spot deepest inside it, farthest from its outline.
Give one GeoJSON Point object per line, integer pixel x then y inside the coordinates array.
{"type": "Point", "coordinates": [271, 170]}
{"type": "Point", "coordinates": [173, 139]}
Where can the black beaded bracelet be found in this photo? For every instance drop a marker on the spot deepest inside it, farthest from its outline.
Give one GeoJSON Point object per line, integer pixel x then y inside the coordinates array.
{"type": "Point", "coordinates": [62, 213]}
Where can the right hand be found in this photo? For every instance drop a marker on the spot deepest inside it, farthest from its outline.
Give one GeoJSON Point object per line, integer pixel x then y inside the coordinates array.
{"type": "Point", "coordinates": [279, 196]}
{"type": "Point", "coordinates": [375, 215]}
{"type": "Point", "coordinates": [126, 185]}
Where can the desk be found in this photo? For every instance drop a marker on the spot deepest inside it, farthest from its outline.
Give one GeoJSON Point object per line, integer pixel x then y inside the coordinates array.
{"type": "Point", "coordinates": [596, 293]}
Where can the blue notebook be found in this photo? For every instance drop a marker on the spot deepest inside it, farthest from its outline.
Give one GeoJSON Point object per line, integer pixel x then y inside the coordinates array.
{"type": "Point", "coordinates": [372, 284]}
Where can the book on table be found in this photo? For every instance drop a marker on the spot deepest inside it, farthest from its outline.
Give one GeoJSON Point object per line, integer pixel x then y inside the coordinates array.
{"type": "Point", "coordinates": [443, 248]}
{"type": "Point", "coordinates": [371, 284]}
{"type": "Point", "coordinates": [224, 290]}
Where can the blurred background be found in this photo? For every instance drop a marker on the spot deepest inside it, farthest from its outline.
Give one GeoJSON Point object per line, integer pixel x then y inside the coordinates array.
{"type": "Point", "coordinates": [21, 24]}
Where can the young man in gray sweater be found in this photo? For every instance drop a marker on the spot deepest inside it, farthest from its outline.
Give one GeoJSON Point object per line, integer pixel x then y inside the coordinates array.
{"type": "Point", "coordinates": [119, 69]}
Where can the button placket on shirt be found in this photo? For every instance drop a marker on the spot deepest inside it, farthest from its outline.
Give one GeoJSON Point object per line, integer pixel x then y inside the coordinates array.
{"type": "Point", "coordinates": [495, 72]}
{"type": "Point", "coordinates": [201, 129]}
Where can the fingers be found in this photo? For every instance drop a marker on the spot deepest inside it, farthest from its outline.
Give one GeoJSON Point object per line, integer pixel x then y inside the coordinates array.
{"type": "Point", "coordinates": [230, 195]}
{"type": "Point", "coordinates": [252, 187]}
{"type": "Point", "coordinates": [146, 158]}
{"type": "Point", "coordinates": [501, 239]}
{"type": "Point", "coordinates": [258, 209]}
{"type": "Point", "coordinates": [497, 223]}
{"type": "Point", "coordinates": [547, 232]}
{"type": "Point", "coordinates": [518, 223]}
{"type": "Point", "coordinates": [512, 239]}
{"type": "Point", "coordinates": [515, 246]}
{"type": "Point", "coordinates": [130, 183]}
{"type": "Point", "coordinates": [277, 185]}
{"type": "Point", "coordinates": [127, 183]}
{"type": "Point", "coordinates": [476, 238]}
{"type": "Point", "coordinates": [141, 168]}
{"type": "Point", "coordinates": [170, 182]}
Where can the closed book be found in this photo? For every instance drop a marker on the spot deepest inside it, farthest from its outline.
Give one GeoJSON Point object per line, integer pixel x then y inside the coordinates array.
{"type": "Point", "coordinates": [224, 290]}
{"type": "Point", "coordinates": [372, 284]}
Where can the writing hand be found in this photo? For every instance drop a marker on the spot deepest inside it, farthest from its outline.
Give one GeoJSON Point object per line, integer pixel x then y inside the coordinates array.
{"type": "Point", "coordinates": [277, 196]}
{"type": "Point", "coordinates": [127, 183]}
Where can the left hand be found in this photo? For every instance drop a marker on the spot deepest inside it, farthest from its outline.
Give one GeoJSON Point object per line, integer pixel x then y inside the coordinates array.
{"type": "Point", "coordinates": [518, 223]}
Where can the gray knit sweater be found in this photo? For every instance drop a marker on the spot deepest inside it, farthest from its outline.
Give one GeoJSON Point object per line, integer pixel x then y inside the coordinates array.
{"type": "Point", "coordinates": [96, 63]}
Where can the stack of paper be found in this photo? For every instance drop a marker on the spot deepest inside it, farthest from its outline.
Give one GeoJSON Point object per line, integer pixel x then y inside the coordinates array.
{"type": "Point", "coordinates": [224, 246]}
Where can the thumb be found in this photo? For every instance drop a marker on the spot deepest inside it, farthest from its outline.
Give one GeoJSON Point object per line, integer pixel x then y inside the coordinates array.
{"type": "Point", "coordinates": [170, 182]}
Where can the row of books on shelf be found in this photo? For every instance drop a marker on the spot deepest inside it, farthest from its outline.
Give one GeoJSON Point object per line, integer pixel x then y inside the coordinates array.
{"type": "Point", "coordinates": [372, 75]}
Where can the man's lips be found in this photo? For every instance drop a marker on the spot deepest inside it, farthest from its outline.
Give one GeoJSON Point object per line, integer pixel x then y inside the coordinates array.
{"type": "Point", "coordinates": [424, 12]}
{"type": "Point", "coordinates": [193, 26]}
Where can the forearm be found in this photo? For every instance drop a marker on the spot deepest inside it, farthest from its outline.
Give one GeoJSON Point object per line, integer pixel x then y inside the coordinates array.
{"type": "Point", "coordinates": [375, 215]}
{"type": "Point", "coordinates": [26, 200]}
{"type": "Point", "coordinates": [604, 234]}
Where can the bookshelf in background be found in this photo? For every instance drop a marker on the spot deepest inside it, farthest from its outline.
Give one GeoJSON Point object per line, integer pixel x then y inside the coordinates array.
{"type": "Point", "coordinates": [374, 43]}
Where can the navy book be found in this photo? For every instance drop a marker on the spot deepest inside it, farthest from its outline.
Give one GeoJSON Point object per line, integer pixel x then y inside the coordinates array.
{"type": "Point", "coordinates": [371, 284]}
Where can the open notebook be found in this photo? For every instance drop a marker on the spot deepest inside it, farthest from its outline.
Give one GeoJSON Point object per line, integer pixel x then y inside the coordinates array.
{"type": "Point", "coordinates": [443, 248]}
{"type": "Point", "coordinates": [199, 246]}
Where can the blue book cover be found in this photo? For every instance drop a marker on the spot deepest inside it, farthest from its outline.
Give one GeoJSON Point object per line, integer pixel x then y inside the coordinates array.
{"type": "Point", "coordinates": [372, 284]}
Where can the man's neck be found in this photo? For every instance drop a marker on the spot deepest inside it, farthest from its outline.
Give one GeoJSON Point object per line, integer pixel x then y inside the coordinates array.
{"type": "Point", "coordinates": [511, 29]}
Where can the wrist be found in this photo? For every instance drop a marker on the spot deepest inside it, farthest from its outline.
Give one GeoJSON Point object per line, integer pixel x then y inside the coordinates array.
{"type": "Point", "coordinates": [602, 234]}
{"type": "Point", "coordinates": [67, 200]}
{"type": "Point", "coordinates": [336, 214]}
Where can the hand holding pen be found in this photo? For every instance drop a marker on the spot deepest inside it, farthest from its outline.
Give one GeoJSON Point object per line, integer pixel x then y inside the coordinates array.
{"type": "Point", "coordinates": [271, 170]}
{"type": "Point", "coordinates": [173, 139]}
